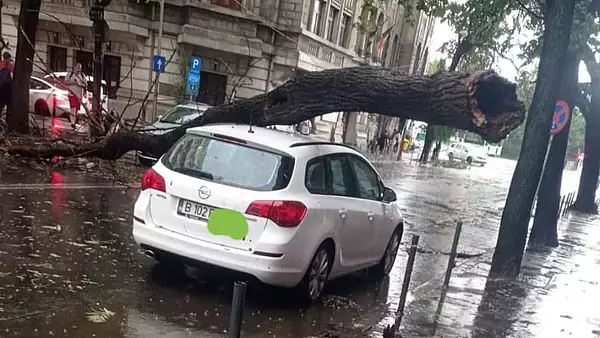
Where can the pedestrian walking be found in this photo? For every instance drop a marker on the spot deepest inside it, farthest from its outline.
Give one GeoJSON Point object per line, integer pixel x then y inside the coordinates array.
{"type": "Point", "coordinates": [6, 81]}
{"type": "Point", "coordinates": [304, 127]}
{"type": "Point", "coordinates": [77, 84]}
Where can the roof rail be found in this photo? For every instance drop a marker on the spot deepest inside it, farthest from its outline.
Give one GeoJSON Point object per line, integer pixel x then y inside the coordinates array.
{"type": "Point", "coordinates": [316, 143]}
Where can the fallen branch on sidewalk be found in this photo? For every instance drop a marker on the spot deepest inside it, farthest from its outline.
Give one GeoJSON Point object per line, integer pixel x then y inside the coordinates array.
{"type": "Point", "coordinates": [482, 102]}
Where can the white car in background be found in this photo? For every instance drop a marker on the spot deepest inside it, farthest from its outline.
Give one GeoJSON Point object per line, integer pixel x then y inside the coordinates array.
{"type": "Point", "coordinates": [314, 210]}
{"type": "Point", "coordinates": [58, 80]}
{"type": "Point", "coordinates": [173, 118]}
{"type": "Point", "coordinates": [459, 151]}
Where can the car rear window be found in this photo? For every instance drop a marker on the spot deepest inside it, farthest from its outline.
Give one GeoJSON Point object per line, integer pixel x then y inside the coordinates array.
{"type": "Point", "coordinates": [229, 163]}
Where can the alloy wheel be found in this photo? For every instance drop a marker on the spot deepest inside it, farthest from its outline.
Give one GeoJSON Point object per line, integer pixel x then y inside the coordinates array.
{"type": "Point", "coordinates": [318, 273]}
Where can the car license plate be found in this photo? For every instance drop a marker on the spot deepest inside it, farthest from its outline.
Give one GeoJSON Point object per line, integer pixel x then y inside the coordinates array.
{"type": "Point", "coordinates": [194, 210]}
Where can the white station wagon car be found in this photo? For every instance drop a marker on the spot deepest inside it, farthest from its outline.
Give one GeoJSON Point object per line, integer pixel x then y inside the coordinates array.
{"type": "Point", "coordinates": [314, 210]}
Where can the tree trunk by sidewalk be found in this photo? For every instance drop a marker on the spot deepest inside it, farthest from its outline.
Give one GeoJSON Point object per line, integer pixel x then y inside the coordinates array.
{"type": "Point", "coordinates": [544, 229]}
{"type": "Point", "coordinates": [17, 116]}
{"type": "Point", "coordinates": [588, 182]}
{"type": "Point", "coordinates": [349, 134]}
{"type": "Point", "coordinates": [429, 139]}
{"type": "Point", "coordinates": [483, 102]}
{"type": "Point", "coordinates": [512, 236]}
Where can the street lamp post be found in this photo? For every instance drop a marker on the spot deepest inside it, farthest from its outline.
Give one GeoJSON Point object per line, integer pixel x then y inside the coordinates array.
{"type": "Point", "coordinates": [159, 52]}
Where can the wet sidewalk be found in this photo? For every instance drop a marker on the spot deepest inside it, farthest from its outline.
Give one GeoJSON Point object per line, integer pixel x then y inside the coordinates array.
{"type": "Point", "coordinates": [555, 296]}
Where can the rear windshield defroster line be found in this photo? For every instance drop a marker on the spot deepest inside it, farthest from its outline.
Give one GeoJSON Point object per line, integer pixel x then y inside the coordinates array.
{"type": "Point", "coordinates": [229, 163]}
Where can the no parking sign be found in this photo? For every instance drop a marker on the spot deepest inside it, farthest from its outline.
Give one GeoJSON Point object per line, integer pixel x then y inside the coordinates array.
{"type": "Point", "coordinates": [560, 118]}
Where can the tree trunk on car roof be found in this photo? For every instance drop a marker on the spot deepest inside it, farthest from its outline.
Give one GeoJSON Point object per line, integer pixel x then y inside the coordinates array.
{"type": "Point", "coordinates": [17, 116]}
{"type": "Point", "coordinates": [481, 102]}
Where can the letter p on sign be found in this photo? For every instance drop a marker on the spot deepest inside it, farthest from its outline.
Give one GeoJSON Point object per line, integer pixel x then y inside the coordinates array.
{"type": "Point", "coordinates": [195, 64]}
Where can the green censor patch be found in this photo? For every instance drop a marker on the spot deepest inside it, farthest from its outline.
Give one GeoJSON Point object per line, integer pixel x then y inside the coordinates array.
{"type": "Point", "coordinates": [224, 222]}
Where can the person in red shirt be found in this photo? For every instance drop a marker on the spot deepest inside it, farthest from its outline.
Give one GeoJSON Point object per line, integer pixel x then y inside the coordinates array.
{"type": "Point", "coordinates": [6, 88]}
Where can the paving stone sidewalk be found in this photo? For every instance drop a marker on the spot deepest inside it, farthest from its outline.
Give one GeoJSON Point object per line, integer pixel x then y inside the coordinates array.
{"type": "Point", "coordinates": [555, 296]}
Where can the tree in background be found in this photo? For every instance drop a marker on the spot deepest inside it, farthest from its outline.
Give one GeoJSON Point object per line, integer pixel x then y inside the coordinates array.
{"type": "Point", "coordinates": [589, 104]}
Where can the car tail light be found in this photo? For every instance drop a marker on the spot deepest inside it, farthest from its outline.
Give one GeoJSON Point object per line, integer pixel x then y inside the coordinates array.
{"type": "Point", "coordinates": [287, 214]}
{"type": "Point", "coordinates": [153, 180]}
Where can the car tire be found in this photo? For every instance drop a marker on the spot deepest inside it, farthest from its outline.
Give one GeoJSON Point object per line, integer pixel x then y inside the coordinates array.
{"type": "Point", "coordinates": [145, 162]}
{"type": "Point", "coordinates": [312, 285]}
{"type": "Point", "coordinates": [469, 160]}
{"type": "Point", "coordinates": [41, 108]}
{"type": "Point", "coordinates": [386, 263]}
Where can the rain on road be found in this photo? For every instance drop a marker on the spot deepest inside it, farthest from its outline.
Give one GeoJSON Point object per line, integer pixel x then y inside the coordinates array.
{"type": "Point", "coordinates": [66, 250]}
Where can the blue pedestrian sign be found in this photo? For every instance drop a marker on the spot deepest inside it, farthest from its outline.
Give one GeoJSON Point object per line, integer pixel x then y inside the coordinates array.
{"type": "Point", "coordinates": [192, 85]}
{"type": "Point", "coordinates": [158, 63]}
{"type": "Point", "coordinates": [195, 65]}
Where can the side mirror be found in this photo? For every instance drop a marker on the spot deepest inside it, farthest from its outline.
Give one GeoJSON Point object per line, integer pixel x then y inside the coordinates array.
{"type": "Point", "coordinates": [159, 117]}
{"type": "Point", "coordinates": [389, 195]}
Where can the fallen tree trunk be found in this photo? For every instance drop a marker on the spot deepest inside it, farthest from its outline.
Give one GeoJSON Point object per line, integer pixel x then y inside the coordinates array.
{"type": "Point", "coordinates": [483, 102]}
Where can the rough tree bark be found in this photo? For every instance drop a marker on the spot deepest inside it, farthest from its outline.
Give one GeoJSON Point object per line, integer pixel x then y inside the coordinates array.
{"type": "Point", "coordinates": [588, 181]}
{"type": "Point", "coordinates": [512, 237]}
{"type": "Point", "coordinates": [464, 47]}
{"type": "Point", "coordinates": [17, 116]}
{"type": "Point", "coordinates": [482, 102]}
{"type": "Point", "coordinates": [544, 229]}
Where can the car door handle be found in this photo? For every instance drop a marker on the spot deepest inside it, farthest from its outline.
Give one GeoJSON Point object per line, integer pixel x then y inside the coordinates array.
{"type": "Point", "coordinates": [343, 213]}
{"type": "Point", "coordinates": [370, 215]}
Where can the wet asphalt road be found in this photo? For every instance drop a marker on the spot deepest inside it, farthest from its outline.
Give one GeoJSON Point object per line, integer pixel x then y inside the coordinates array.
{"type": "Point", "coordinates": [66, 250]}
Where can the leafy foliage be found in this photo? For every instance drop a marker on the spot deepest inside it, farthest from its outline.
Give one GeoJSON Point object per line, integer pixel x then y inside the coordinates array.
{"type": "Point", "coordinates": [525, 89]}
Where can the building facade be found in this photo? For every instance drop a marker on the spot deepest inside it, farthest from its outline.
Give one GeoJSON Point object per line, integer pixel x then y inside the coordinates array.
{"type": "Point", "coordinates": [247, 46]}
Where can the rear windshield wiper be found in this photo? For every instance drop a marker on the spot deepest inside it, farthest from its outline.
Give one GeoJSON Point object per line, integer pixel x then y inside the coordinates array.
{"type": "Point", "coordinates": [195, 173]}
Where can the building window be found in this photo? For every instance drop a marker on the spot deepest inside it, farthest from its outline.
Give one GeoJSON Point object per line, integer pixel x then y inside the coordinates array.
{"type": "Point", "coordinates": [112, 74]}
{"type": "Point", "coordinates": [345, 29]}
{"type": "Point", "coordinates": [332, 20]}
{"type": "Point", "coordinates": [319, 11]}
{"type": "Point", "coordinates": [57, 58]}
{"type": "Point", "coordinates": [233, 4]}
{"type": "Point", "coordinates": [87, 61]}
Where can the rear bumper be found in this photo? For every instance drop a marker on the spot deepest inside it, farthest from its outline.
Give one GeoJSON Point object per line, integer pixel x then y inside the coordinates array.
{"type": "Point", "coordinates": [280, 271]}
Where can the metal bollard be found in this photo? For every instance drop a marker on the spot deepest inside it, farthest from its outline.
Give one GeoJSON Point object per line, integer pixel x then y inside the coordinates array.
{"type": "Point", "coordinates": [452, 258]}
{"type": "Point", "coordinates": [406, 281]}
{"type": "Point", "coordinates": [237, 309]}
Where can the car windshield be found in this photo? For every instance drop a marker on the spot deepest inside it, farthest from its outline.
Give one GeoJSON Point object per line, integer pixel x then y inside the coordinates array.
{"type": "Point", "coordinates": [181, 115]}
{"type": "Point", "coordinates": [229, 163]}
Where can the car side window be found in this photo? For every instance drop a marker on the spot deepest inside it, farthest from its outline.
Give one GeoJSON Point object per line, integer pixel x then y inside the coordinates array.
{"type": "Point", "coordinates": [342, 178]}
{"type": "Point", "coordinates": [367, 179]}
{"type": "Point", "coordinates": [35, 84]}
{"type": "Point", "coordinates": [316, 178]}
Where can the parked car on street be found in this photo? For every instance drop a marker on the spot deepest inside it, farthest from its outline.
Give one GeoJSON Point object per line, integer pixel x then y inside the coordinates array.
{"type": "Point", "coordinates": [58, 80]}
{"type": "Point", "coordinates": [49, 105]}
{"type": "Point", "coordinates": [173, 118]}
{"type": "Point", "coordinates": [314, 210]}
{"type": "Point", "coordinates": [458, 151]}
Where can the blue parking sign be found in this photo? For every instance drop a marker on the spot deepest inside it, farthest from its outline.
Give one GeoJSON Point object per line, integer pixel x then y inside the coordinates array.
{"type": "Point", "coordinates": [192, 84]}
{"type": "Point", "coordinates": [195, 65]}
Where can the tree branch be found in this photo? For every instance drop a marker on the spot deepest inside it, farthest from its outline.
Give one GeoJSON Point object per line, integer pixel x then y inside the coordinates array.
{"type": "Point", "coordinates": [483, 102]}
{"type": "Point", "coordinates": [529, 10]}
